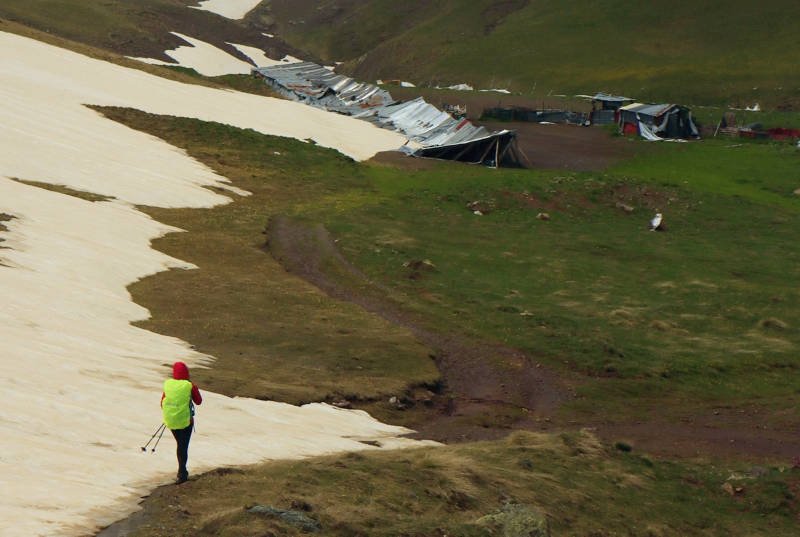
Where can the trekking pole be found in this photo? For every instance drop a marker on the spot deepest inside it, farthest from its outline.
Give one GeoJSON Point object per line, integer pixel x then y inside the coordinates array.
{"type": "Point", "coordinates": [159, 439]}
{"type": "Point", "coordinates": [144, 447]}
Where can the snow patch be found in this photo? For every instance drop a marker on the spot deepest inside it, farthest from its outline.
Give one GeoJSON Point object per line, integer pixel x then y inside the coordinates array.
{"type": "Point", "coordinates": [230, 9]}
{"type": "Point", "coordinates": [66, 316]}
{"type": "Point", "coordinates": [207, 59]}
{"type": "Point", "coordinates": [256, 55]}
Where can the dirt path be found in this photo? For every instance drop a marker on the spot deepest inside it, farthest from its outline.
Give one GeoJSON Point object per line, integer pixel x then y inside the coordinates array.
{"type": "Point", "coordinates": [473, 385]}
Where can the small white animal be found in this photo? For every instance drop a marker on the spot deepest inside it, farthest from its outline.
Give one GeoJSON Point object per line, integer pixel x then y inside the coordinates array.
{"type": "Point", "coordinates": [655, 223]}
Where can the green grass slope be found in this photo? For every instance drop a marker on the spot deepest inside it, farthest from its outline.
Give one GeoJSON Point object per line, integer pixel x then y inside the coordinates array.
{"type": "Point", "coordinates": [719, 51]}
{"type": "Point", "coordinates": [698, 315]}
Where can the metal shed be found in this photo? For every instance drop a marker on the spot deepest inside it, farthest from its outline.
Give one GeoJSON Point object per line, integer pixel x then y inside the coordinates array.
{"type": "Point", "coordinates": [605, 108]}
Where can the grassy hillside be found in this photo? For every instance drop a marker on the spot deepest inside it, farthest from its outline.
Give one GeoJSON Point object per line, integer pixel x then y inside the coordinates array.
{"type": "Point", "coordinates": [140, 28]}
{"type": "Point", "coordinates": [700, 313]}
{"type": "Point", "coordinates": [718, 52]}
{"type": "Point", "coordinates": [733, 52]}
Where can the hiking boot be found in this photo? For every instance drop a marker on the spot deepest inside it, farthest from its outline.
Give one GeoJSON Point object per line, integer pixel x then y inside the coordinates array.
{"type": "Point", "coordinates": [182, 478]}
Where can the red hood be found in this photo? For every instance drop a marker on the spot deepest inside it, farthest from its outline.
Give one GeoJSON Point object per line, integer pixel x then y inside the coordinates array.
{"type": "Point", "coordinates": [180, 371]}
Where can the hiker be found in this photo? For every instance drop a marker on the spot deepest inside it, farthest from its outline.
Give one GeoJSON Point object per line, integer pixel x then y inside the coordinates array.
{"type": "Point", "coordinates": [177, 406]}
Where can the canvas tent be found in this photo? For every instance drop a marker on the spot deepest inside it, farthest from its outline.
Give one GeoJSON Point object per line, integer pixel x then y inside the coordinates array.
{"type": "Point", "coordinates": [657, 121]}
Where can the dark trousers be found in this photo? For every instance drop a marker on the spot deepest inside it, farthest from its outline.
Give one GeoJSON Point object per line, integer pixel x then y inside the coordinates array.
{"type": "Point", "coordinates": [182, 437]}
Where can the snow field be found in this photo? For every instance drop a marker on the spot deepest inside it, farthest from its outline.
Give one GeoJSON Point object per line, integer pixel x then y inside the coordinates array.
{"type": "Point", "coordinates": [80, 384]}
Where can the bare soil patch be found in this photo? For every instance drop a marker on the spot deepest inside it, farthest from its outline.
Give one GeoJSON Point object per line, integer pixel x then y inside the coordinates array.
{"type": "Point", "coordinates": [568, 147]}
{"type": "Point", "coordinates": [643, 196]}
{"type": "Point", "coordinates": [477, 101]}
{"type": "Point", "coordinates": [742, 434]}
{"type": "Point", "coordinates": [401, 160]}
{"type": "Point", "coordinates": [561, 201]}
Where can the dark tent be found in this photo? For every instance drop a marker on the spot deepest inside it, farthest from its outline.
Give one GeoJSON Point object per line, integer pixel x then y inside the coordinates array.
{"type": "Point", "coordinates": [661, 120]}
{"type": "Point", "coordinates": [497, 149]}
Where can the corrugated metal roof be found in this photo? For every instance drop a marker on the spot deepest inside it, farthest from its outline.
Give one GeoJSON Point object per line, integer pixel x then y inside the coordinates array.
{"type": "Point", "coordinates": [421, 122]}
{"type": "Point", "coordinates": [323, 88]}
{"type": "Point", "coordinates": [653, 110]}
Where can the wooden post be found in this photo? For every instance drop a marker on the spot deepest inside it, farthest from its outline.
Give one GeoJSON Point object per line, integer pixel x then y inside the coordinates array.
{"type": "Point", "coordinates": [483, 156]}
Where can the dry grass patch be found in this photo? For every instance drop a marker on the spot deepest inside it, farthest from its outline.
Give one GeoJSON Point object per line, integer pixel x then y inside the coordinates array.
{"type": "Point", "coordinates": [62, 189]}
{"type": "Point", "coordinates": [581, 486]}
{"type": "Point", "coordinates": [775, 343]}
{"type": "Point", "coordinates": [666, 285]}
{"type": "Point", "coordinates": [772, 323]}
{"type": "Point", "coordinates": [701, 283]}
{"type": "Point", "coordinates": [4, 218]}
{"type": "Point", "coordinates": [668, 326]}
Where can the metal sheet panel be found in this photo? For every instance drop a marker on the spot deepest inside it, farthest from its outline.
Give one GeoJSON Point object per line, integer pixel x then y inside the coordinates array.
{"type": "Point", "coordinates": [418, 120]}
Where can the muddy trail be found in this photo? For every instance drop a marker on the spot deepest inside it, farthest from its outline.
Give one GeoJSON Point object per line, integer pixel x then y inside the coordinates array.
{"type": "Point", "coordinates": [489, 389]}
{"type": "Point", "coordinates": [517, 391]}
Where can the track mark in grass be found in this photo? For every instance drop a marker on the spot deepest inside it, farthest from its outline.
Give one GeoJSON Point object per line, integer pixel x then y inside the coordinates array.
{"type": "Point", "coordinates": [4, 218]}
{"type": "Point", "coordinates": [773, 324]}
{"type": "Point", "coordinates": [775, 343]}
{"type": "Point", "coordinates": [61, 189]}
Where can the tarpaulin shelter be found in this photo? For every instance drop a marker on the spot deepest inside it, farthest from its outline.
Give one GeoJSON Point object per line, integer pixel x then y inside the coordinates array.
{"type": "Point", "coordinates": [662, 121]}
{"type": "Point", "coordinates": [496, 149]}
{"type": "Point", "coordinates": [430, 131]}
